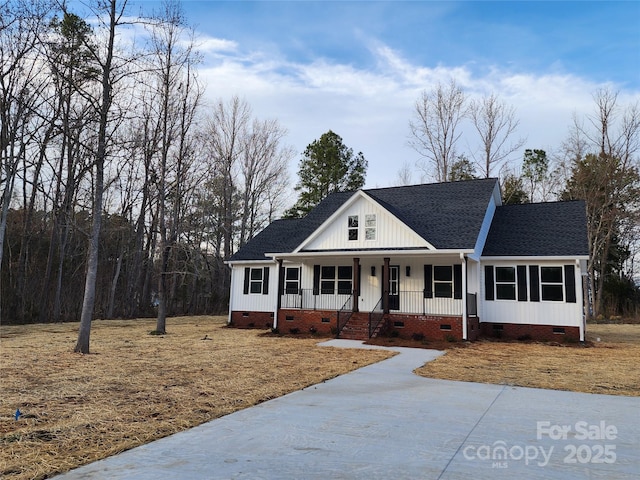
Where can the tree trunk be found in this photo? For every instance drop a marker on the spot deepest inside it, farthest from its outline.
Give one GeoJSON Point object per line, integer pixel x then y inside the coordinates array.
{"type": "Point", "coordinates": [114, 284]}
{"type": "Point", "coordinates": [88, 302]}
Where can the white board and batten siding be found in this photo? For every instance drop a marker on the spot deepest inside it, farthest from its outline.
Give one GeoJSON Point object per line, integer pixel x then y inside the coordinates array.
{"type": "Point", "coordinates": [253, 302]}
{"type": "Point", "coordinates": [542, 312]}
{"type": "Point", "coordinates": [389, 231]}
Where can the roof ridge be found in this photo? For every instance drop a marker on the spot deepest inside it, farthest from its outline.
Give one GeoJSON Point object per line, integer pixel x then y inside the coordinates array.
{"type": "Point", "coordinates": [492, 179]}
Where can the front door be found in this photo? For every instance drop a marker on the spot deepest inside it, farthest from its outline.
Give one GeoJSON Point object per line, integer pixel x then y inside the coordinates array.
{"type": "Point", "coordinates": [394, 287]}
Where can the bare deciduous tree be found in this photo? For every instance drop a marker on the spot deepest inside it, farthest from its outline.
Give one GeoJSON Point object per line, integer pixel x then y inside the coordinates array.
{"type": "Point", "coordinates": [434, 129]}
{"type": "Point", "coordinates": [21, 26]}
{"type": "Point", "coordinates": [113, 14]}
{"type": "Point", "coordinates": [226, 133]}
{"type": "Point", "coordinates": [606, 176]}
{"type": "Point", "coordinates": [496, 124]}
{"type": "Point", "coordinates": [177, 96]}
{"type": "Point", "coordinates": [264, 165]}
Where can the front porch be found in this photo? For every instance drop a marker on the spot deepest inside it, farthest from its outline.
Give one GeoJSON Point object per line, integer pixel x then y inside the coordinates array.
{"type": "Point", "coordinates": [409, 315]}
{"type": "Point", "coordinates": [409, 295]}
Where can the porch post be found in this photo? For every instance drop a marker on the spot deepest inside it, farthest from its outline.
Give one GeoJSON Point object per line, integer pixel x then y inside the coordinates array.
{"type": "Point", "coordinates": [385, 285]}
{"type": "Point", "coordinates": [356, 283]}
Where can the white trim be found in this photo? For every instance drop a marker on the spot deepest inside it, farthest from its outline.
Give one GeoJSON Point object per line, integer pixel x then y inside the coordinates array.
{"type": "Point", "coordinates": [531, 258]}
{"type": "Point", "coordinates": [367, 253]}
{"type": "Point", "coordinates": [249, 262]}
{"type": "Point", "coordinates": [489, 214]}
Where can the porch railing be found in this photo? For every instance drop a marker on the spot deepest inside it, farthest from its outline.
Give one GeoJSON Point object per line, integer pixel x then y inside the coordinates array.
{"type": "Point", "coordinates": [409, 302]}
{"type": "Point", "coordinates": [344, 314]}
{"type": "Point", "coordinates": [414, 302]}
{"type": "Point", "coordinates": [375, 317]}
{"type": "Point", "coordinates": [304, 299]}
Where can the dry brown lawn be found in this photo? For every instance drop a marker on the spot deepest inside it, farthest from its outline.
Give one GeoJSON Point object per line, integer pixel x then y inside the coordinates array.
{"type": "Point", "coordinates": [609, 366]}
{"type": "Point", "coordinates": [135, 387]}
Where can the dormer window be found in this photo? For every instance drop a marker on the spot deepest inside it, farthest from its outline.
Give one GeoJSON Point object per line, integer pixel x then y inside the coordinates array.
{"type": "Point", "coordinates": [353, 227]}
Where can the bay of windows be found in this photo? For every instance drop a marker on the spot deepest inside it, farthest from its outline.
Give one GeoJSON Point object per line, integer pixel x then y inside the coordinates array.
{"type": "Point", "coordinates": [336, 279]}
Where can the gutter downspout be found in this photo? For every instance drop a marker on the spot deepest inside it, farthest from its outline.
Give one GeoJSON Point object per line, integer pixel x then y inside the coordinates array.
{"type": "Point", "coordinates": [231, 297]}
{"type": "Point", "coordinates": [278, 293]}
{"type": "Point", "coordinates": [465, 335]}
{"type": "Point", "coordinates": [583, 286]}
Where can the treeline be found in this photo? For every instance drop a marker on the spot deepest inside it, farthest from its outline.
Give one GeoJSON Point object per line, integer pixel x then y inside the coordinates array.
{"type": "Point", "coordinates": [598, 163]}
{"type": "Point", "coordinates": [115, 172]}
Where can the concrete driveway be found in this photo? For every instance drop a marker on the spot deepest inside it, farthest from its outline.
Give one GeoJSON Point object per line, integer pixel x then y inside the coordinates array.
{"type": "Point", "coordinates": [384, 422]}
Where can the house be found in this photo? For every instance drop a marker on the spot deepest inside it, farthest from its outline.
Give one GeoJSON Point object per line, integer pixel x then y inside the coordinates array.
{"type": "Point", "coordinates": [439, 261]}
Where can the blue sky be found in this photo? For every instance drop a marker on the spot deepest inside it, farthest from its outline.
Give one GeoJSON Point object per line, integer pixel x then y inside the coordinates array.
{"type": "Point", "coordinates": [599, 39]}
{"type": "Point", "coordinates": [358, 67]}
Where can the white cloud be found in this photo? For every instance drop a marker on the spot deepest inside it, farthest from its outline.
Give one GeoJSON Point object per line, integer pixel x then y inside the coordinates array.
{"type": "Point", "coordinates": [371, 108]}
{"type": "Point", "coordinates": [207, 45]}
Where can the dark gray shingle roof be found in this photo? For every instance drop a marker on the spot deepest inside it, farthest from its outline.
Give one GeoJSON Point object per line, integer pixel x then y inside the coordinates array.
{"type": "Point", "coordinates": [286, 234]}
{"type": "Point", "coordinates": [538, 229]}
{"type": "Point", "coordinates": [447, 215]}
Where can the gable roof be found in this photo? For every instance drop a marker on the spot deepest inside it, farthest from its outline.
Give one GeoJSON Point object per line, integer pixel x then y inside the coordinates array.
{"type": "Point", "coordinates": [447, 215]}
{"type": "Point", "coordinates": [538, 229]}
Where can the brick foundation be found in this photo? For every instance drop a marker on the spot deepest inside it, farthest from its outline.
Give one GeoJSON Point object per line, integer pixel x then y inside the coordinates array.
{"type": "Point", "coordinates": [304, 321]}
{"type": "Point", "coordinates": [430, 326]}
{"type": "Point", "coordinates": [252, 319]}
{"type": "Point", "coordinates": [514, 331]}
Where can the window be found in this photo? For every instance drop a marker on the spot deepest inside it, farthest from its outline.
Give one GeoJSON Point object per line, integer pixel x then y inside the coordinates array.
{"type": "Point", "coordinates": [505, 283]}
{"type": "Point", "coordinates": [255, 282]}
{"type": "Point", "coordinates": [292, 280]}
{"type": "Point", "coordinates": [353, 227]}
{"type": "Point", "coordinates": [370, 227]}
{"type": "Point", "coordinates": [327, 280]}
{"type": "Point", "coordinates": [443, 281]}
{"type": "Point", "coordinates": [551, 284]}
{"type": "Point", "coordinates": [344, 280]}
{"type": "Point", "coordinates": [340, 283]}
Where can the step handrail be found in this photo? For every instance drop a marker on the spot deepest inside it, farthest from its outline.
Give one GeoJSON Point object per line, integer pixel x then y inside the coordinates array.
{"type": "Point", "coordinates": [346, 309]}
{"type": "Point", "coordinates": [375, 317]}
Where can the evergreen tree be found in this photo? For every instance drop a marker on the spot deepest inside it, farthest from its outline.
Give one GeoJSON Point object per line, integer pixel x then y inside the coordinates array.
{"type": "Point", "coordinates": [513, 190]}
{"type": "Point", "coordinates": [462, 169]}
{"type": "Point", "coordinates": [327, 166]}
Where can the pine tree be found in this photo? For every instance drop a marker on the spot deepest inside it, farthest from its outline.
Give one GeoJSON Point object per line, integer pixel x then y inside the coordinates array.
{"type": "Point", "coordinates": [327, 166]}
